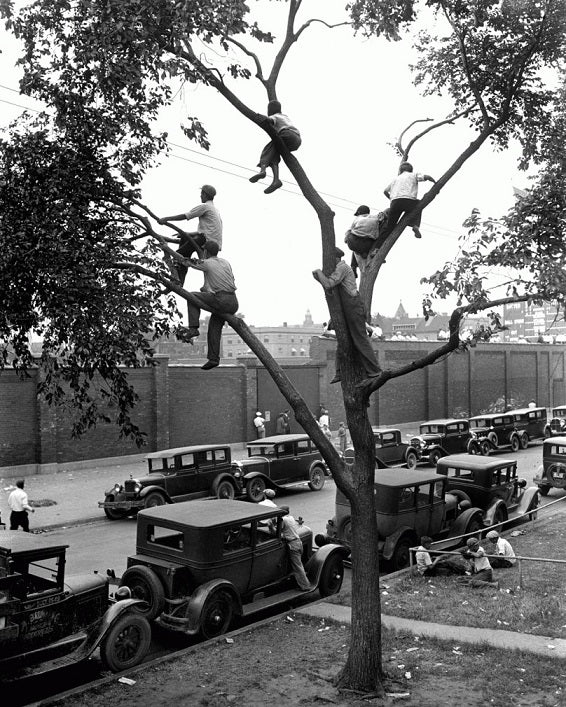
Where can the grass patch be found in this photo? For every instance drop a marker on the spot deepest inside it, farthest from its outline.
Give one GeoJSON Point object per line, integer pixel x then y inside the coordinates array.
{"type": "Point", "coordinates": [538, 608]}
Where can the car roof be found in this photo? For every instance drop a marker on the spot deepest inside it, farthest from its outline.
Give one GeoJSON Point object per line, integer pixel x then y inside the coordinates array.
{"type": "Point", "coordinates": [209, 513]}
{"type": "Point", "coordinates": [555, 440]}
{"type": "Point", "coordinates": [382, 430]}
{"type": "Point", "coordinates": [13, 542]}
{"type": "Point", "coordinates": [277, 438]}
{"type": "Point", "coordinates": [473, 461]}
{"type": "Point", "coordinates": [523, 410]}
{"type": "Point", "coordinates": [493, 414]}
{"type": "Point", "coordinates": [396, 478]}
{"type": "Point", "coordinates": [559, 407]}
{"type": "Point", "coordinates": [446, 421]}
{"type": "Point", "coordinates": [185, 450]}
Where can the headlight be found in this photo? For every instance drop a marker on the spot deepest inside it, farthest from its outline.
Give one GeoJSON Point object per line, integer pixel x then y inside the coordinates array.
{"type": "Point", "coordinates": [237, 474]}
{"type": "Point", "coordinates": [137, 487]}
{"type": "Point", "coordinates": [117, 488]}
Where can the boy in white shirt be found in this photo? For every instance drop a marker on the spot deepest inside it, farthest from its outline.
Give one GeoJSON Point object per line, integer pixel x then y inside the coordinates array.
{"type": "Point", "coordinates": [403, 193]}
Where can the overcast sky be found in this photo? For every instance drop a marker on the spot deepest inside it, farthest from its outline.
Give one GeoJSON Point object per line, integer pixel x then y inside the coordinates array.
{"type": "Point", "coordinates": [349, 97]}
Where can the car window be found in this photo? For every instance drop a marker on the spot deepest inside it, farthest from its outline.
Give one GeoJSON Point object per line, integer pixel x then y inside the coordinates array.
{"type": "Point", "coordinates": [462, 427]}
{"type": "Point", "coordinates": [165, 537]}
{"type": "Point", "coordinates": [406, 498]}
{"type": "Point", "coordinates": [451, 429]}
{"type": "Point", "coordinates": [479, 423]}
{"type": "Point", "coordinates": [187, 460]}
{"type": "Point", "coordinates": [303, 446]}
{"type": "Point", "coordinates": [422, 496]}
{"type": "Point", "coordinates": [220, 455]}
{"type": "Point", "coordinates": [237, 537]}
{"type": "Point", "coordinates": [39, 575]}
{"type": "Point", "coordinates": [459, 473]}
{"type": "Point", "coordinates": [388, 438]}
{"type": "Point", "coordinates": [438, 489]}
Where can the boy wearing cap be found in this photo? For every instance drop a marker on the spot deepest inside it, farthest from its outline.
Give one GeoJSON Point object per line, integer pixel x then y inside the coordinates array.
{"type": "Point", "coordinates": [268, 496]}
{"type": "Point", "coordinates": [270, 156]}
{"type": "Point", "coordinates": [290, 533]}
{"type": "Point", "coordinates": [501, 547]}
{"type": "Point", "coordinates": [209, 227]}
{"type": "Point", "coordinates": [343, 277]}
{"type": "Point", "coordinates": [482, 573]}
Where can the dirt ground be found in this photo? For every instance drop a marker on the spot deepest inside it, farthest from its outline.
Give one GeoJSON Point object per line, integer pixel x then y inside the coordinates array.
{"type": "Point", "coordinates": [293, 661]}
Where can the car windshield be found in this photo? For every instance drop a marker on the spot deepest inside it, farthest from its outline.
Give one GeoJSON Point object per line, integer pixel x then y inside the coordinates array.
{"type": "Point", "coordinates": [559, 413]}
{"type": "Point", "coordinates": [481, 422]}
{"type": "Point", "coordinates": [556, 449]}
{"type": "Point", "coordinates": [432, 429]}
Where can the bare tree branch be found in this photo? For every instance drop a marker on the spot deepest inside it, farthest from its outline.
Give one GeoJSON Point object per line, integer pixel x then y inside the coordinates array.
{"type": "Point", "coordinates": [252, 55]}
{"type": "Point", "coordinates": [446, 121]}
{"type": "Point", "coordinates": [399, 144]}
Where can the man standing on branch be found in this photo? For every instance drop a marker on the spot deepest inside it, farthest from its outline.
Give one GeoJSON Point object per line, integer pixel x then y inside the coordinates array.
{"type": "Point", "coordinates": [403, 192]}
{"type": "Point", "coordinates": [343, 277]}
{"type": "Point", "coordinates": [209, 228]}
{"type": "Point", "coordinates": [219, 293]}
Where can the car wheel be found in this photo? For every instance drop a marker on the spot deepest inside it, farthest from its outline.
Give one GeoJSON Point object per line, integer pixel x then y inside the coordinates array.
{"type": "Point", "coordinates": [145, 585]}
{"type": "Point", "coordinates": [474, 448]}
{"type": "Point", "coordinates": [524, 441]}
{"type": "Point", "coordinates": [154, 499]}
{"type": "Point", "coordinates": [115, 513]}
{"type": "Point", "coordinates": [254, 489]}
{"type": "Point", "coordinates": [474, 526]}
{"type": "Point", "coordinates": [544, 490]}
{"type": "Point", "coordinates": [126, 644]}
{"type": "Point", "coordinates": [225, 489]}
{"type": "Point", "coordinates": [500, 516]}
{"type": "Point", "coordinates": [411, 460]}
{"type": "Point", "coordinates": [485, 448]}
{"type": "Point", "coordinates": [316, 478]}
{"type": "Point", "coordinates": [534, 506]}
{"type": "Point", "coordinates": [433, 457]}
{"type": "Point", "coordinates": [494, 439]}
{"type": "Point", "coordinates": [547, 433]}
{"type": "Point", "coordinates": [515, 443]}
{"type": "Point", "coordinates": [331, 576]}
{"type": "Point", "coordinates": [400, 557]}
{"type": "Point", "coordinates": [216, 615]}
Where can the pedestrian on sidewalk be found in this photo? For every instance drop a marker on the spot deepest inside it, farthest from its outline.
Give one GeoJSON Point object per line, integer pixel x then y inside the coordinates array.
{"type": "Point", "coordinates": [19, 505]}
{"type": "Point", "coordinates": [259, 424]}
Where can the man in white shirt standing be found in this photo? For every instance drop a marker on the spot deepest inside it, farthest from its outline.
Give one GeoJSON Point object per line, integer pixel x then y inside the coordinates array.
{"type": "Point", "coordinates": [259, 424]}
{"type": "Point", "coordinates": [19, 505]}
{"type": "Point", "coordinates": [209, 227]}
{"type": "Point", "coordinates": [403, 192]}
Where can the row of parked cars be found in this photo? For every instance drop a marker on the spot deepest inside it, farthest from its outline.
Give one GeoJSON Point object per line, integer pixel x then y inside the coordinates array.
{"type": "Point", "coordinates": [480, 435]}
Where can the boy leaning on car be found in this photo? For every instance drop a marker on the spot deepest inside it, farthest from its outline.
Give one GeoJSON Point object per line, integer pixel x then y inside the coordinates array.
{"type": "Point", "coordinates": [290, 534]}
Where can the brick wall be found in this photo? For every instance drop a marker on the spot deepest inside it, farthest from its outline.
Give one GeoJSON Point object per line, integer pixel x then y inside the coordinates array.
{"type": "Point", "coordinates": [19, 434]}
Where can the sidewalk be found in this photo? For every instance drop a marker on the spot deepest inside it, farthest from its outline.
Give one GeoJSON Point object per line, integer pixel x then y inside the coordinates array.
{"type": "Point", "coordinates": [78, 487]}
{"type": "Point", "coordinates": [508, 640]}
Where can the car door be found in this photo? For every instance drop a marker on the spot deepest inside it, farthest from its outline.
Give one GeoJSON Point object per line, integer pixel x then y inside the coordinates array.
{"type": "Point", "coordinates": [284, 466]}
{"type": "Point", "coordinates": [270, 556]}
{"type": "Point", "coordinates": [389, 451]}
{"type": "Point", "coordinates": [453, 438]}
{"type": "Point", "coordinates": [181, 478]}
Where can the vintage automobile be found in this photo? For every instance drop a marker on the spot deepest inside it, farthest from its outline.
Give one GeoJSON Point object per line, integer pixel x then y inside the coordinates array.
{"type": "Point", "coordinates": [280, 461]}
{"type": "Point", "coordinates": [552, 473]}
{"type": "Point", "coordinates": [531, 423]}
{"type": "Point", "coordinates": [407, 505]}
{"type": "Point", "coordinates": [490, 484]}
{"type": "Point", "coordinates": [437, 438]}
{"type": "Point", "coordinates": [199, 564]}
{"type": "Point", "coordinates": [391, 451]}
{"type": "Point", "coordinates": [47, 617]}
{"type": "Point", "coordinates": [176, 475]}
{"type": "Point", "coordinates": [495, 430]}
{"type": "Point", "coordinates": [557, 424]}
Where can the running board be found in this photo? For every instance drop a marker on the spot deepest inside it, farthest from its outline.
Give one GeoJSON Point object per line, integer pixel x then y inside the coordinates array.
{"type": "Point", "coordinates": [275, 600]}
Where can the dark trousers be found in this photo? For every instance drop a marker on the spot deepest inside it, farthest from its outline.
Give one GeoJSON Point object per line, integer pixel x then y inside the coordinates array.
{"type": "Point", "coordinates": [224, 302]}
{"type": "Point", "coordinates": [397, 208]}
{"type": "Point", "coordinates": [187, 249]}
{"type": "Point", "coordinates": [19, 518]}
{"type": "Point", "coordinates": [355, 316]}
{"type": "Point", "coordinates": [500, 563]}
{"type": "Point", "coordinates": [360, 245]}
{"type": "Point", "coordinates": [270, 154]}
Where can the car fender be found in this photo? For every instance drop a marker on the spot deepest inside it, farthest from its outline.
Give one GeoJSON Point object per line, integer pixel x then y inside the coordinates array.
{"type": "Point", "coordinates": [317, 560]}
{"type": "Point", "coordinates": [236, 481]}
{"type": "Point", "coordinates": [473, 444]}
{"type": "Point", "coordinates": [380, 464]}
{"type": "Point", "coordinates": [463, 520]}
{"type": "Point", "coordinates": [433, 448]}
{"type": "Point", "coordinates": [540, 477]}
{"type": "Point", "coordinates": [392, 540]}
{"type": "Point", "coordinates": [149, 489]}
{"type": "Point", "coordinates": [255, 474]}
{"type": "Point", "coordinates": [100, 628]}
{"type": "Point", "coordinates": [321, 464]}
{"type": "Point", "coordinates": [198, 600]}
{"type": "Point", "coordinates": [410, 448]}
{"type": "Point", "coordinates": [491, 512]}
{"type": "Point", "coordinates": [529, 500]}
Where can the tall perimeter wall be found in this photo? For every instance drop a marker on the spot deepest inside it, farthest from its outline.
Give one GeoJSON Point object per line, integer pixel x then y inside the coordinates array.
{"type": "Point", "coordinates": [181, 404]}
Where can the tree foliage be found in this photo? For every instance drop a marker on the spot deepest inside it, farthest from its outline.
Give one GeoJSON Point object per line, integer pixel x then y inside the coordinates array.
{"type": "Point", "coordinates": [84, 266]}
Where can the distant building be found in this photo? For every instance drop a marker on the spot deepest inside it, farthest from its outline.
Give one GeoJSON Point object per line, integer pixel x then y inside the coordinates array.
{"type": "Point", "coordinates": [289, 342]}
{"type": "Point", "coordinates": [402, 326]}
{"type": "Point", "coordinates": [533, 321]}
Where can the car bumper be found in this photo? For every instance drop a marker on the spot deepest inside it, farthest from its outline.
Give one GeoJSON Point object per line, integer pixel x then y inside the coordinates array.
{"type": "Point", "coordinates": [122, 505]}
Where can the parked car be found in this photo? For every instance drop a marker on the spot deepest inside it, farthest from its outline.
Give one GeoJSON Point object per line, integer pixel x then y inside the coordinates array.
{"type": "Point", "coordinates": [437, 438]}
{"type": "Point", "coordinates": [280, 461]}
{"type": "Point", "coordinates": [531, 423]}
{"type": "Point", "coordinates": [407, 506]}
{"type": "Point", "coordinates": [496, 430]}
{"type": "Point", "coordinates": [45, 615]}
{"type": "Point", "coordinates": [176, 475]}
{"type": "Point", "coordinates": [490, 484]}
{"type": "Point", "coordinates": [199, 564]}
{"type": "Point", "coordinates": [391, 451]}
{"type": "Point", "coordinates": [552, 473]}
{"type": "Point", "coordinates": [557, 424]}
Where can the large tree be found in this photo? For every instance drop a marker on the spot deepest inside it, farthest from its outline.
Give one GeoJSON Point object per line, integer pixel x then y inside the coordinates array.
{"type": "Point", "coordinates": [85, 265]}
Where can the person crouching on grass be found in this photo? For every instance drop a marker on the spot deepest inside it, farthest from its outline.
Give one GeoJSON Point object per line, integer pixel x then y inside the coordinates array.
{"type": "Point", "coordinates": [482, 574]}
